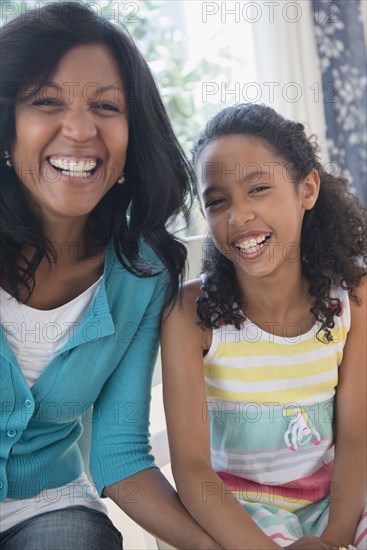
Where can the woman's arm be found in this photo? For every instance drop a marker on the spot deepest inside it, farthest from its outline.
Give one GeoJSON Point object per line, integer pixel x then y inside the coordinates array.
{"type": "Point", "coordinates": [349, 476]}
{"type": "Point", "coordinates": [156, 507]}
{"type": "Point", "coordinates": [200, 489]}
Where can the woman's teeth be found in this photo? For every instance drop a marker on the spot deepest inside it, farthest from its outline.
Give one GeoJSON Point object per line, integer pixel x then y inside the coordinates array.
{"type": "Point", "coordinates": [75, 168]}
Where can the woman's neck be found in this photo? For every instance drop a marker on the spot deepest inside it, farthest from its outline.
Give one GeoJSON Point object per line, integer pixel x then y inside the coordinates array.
{"type": "Point", "coordinates": [69, 238]}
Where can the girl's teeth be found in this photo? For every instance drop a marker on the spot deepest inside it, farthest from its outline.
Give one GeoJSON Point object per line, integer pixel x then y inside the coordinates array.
{"type": "Point", "coordinates": [253, 243]}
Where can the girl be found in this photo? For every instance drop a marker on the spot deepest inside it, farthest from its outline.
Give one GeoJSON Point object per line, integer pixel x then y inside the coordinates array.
{"type": "Point", "coordinates": [84, 137]}
{"type": "Point", "coordinates": [277, 325]}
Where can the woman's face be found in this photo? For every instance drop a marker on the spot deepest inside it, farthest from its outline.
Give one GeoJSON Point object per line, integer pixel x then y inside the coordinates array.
{"type": "Point", "coordinates": [72, 134]}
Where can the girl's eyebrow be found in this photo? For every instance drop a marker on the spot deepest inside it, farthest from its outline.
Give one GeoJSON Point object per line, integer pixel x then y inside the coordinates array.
{"type": "Point", "coordinates": [209, 190]}
{"type": "Point", "coordinates": [247, 178]}
{"type": "Point", "coordinates": [254, 175]}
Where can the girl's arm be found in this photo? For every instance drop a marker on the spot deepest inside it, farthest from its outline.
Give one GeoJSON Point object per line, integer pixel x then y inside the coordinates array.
{"type": "Point", "coordinates": [349, 476]}
{"type": "Point", "coordinates": [200, 489]}
{"type": "Point", "coordinates": [121, 464]}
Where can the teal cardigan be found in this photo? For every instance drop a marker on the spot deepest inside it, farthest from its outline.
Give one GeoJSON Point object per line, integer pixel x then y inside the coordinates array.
{"type": "Point", "coordinates": [108, 363]}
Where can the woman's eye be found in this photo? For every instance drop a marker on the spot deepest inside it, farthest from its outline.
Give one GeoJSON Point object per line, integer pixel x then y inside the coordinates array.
{"type": "Point", "coordinates": [45, 103]}
{"type": "Point", "coordinates": [107, 107]}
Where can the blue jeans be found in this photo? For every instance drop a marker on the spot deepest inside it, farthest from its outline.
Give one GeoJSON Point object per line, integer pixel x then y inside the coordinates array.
{"type": "Point", "coordinates": [72, 528]}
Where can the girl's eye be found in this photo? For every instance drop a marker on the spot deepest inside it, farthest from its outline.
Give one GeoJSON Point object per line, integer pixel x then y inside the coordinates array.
{"type": "Point", "coordinates": [213, 203]}
{"type": "Point", "coordinates": [259, 188]}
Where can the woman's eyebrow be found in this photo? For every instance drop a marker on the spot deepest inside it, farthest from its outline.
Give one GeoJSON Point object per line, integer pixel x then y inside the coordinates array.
{"type": "Point", "coordinates": [38, 89]}
{"type": "Point", "coordinates": [41, 90]}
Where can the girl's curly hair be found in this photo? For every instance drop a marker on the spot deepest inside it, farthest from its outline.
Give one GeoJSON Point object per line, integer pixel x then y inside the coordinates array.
{"type": "Point", "coordinates": [334, 231]}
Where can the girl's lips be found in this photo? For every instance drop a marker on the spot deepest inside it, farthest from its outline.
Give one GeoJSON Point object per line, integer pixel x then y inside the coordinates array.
{"type": "Point", "coordinates": [256, 251]}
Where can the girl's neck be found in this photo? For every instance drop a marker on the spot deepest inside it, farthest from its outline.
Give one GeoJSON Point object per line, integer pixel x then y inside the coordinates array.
{"type": "Point", "coordinates": [277, 295]}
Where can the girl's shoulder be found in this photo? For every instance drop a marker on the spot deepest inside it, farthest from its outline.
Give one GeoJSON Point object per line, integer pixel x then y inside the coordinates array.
{"type": "Point", "coordinates": [185, 306]}
{"type": "Point", "coordinates": [182, 318]}
{"type": "Point", "coordinates": [192, 289]}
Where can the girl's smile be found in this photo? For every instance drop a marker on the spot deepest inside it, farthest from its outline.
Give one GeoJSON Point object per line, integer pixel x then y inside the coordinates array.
{"type": "Point", "coordinates": [72, 134]}
{"type": "Point", "coordinates": [252, 245]}
{"type": "Point", "coordinates": [253, 208]}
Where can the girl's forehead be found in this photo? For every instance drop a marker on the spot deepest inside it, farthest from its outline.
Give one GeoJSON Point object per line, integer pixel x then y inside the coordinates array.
{"type": "Point", "coordinates": [234, 149]}
{"type": "Point", "coordinates": [233, 144]}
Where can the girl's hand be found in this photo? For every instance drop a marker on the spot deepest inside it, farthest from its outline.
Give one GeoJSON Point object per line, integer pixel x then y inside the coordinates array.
{"type": "Point", "coordinates": [312, 543]}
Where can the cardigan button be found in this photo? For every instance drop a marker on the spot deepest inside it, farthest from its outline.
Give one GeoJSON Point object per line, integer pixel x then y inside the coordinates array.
{"type": "Point", "coordinates": [11, 433]}
{"type": "Point", "coordinates": [28, 404]}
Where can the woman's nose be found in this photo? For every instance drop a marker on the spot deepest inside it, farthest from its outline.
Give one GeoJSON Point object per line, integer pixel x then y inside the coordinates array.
{"type": "Point", "coordinates": [79, 125]}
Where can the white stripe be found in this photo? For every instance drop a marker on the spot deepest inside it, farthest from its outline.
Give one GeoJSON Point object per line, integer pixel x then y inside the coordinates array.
{"type": "Point", "coordinates": [232, 406]}
{"type": "Point", "coordinates": [272, 529]}
{"type": "Point", "coordinates": [269, 386]}
{"type": "Point", "coordinates": [271, 500]}
{"type": "Point", "coordinates": [276, 456]}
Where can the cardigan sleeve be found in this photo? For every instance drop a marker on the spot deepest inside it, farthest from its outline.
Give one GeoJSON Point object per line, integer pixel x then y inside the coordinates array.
{"type": "Point", "coordinates": [120, 435]}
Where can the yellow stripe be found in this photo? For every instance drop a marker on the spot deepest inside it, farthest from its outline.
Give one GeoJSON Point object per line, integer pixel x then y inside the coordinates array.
{"type": "Point", "coordinates": [249, 373]}
{"type": "Point", "coordinates": [287, 395]}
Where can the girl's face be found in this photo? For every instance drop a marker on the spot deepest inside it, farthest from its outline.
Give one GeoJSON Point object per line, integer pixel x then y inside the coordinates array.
{"type": "Point", "coordinates": [253, 208]}
{"type": "Point", "coordinates": [71, 136]}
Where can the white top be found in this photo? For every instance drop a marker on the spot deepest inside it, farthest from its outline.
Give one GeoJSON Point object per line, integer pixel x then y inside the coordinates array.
{"type": "Point", "coordinates": [35, 336]}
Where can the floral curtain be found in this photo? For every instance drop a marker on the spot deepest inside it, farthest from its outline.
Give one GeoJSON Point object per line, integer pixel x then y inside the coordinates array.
{"type": "Point", "coordinates": [341, 47]}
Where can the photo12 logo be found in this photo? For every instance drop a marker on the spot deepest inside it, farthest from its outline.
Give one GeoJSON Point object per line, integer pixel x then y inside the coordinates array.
{"type": "Point", "coordinates": [252, 12]}
{"type": "Point", "coordinates": [270, 11]}
{"type": "Point", "coordinates": [120, 12]}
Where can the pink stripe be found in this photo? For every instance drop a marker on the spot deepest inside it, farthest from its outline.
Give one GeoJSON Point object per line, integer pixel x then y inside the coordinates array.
{"type": "Point", "coordinates": [280, 536]}
{"type": "Point", "coordinates": [360, 538]}
{"type": "Point", "coordinates": [311, 488]}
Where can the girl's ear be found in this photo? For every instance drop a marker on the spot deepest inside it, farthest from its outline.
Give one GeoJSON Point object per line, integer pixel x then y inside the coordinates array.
{"type": "Point", "coordinates": [310, 188]}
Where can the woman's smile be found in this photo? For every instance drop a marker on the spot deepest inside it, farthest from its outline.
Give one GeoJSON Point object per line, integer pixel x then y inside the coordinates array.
{"type": "Point", "coordinates": [70, 144]}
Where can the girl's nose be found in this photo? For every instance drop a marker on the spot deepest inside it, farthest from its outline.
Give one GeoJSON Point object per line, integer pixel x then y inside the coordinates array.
{"type": "Point", "coordinates": [79, 125]}
{"type": "Point", "coordinates": [240, 214]}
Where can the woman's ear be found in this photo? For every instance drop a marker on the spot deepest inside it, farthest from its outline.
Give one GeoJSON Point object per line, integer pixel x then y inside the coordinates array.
{"type": "Point", "coordinates": [310, 188]}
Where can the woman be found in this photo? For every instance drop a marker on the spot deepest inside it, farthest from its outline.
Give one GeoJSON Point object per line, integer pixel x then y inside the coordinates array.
{"type": "Point", "coordinates": [84, 137]}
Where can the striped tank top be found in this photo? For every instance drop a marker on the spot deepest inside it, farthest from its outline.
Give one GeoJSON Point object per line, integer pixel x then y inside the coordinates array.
{"type": "Point", "coordinates": [270, 405]}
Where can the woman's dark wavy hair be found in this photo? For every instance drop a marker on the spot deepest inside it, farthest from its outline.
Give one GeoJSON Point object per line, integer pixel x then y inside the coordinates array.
{"type": "Point", "coordinates": [334, 232]}
{"type": "Point", "coordinates": [157, 173]}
